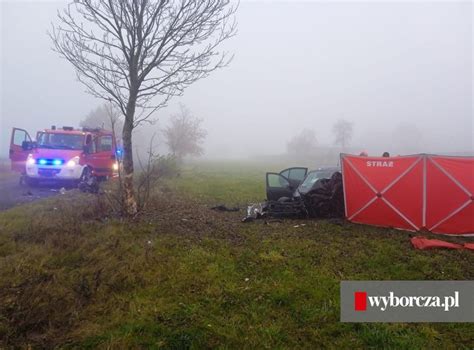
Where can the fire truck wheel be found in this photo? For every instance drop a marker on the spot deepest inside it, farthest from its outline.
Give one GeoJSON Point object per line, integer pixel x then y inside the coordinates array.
{"type": "Point", "coordinates": [86, 175]}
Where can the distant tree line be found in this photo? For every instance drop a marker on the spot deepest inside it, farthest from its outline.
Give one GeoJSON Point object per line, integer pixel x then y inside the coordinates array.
{"type": "Point", "coordinates": [184, 135]}
{"type": "Point", "coordinates": [306, 143]}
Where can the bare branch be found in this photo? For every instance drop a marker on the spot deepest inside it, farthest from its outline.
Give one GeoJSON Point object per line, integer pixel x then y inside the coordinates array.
{"type": "Point", "coordinates": [138, 54]}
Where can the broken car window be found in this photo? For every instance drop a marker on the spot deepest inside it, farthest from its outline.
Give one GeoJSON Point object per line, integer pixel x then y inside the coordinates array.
{"type": "Point", "coordinates": [312, 177]}
{"type": "Point", "coordinates": [297, 174]}
{"type": "Point", "coordinates": [275, 180]}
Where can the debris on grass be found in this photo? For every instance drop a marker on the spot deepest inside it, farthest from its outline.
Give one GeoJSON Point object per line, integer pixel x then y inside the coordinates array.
{"type": "Point", "coordinates": [255, 211]}
{"type": "Point", "coordinates": [222, 207]}
{"type": "Point", "coordinates": [272, 221]}
{"type": "Point", "coordinates": [90, 185]}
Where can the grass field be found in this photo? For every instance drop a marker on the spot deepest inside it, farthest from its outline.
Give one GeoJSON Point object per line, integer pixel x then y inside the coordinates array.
{"type": "Point", "coordinates": [184, 276]}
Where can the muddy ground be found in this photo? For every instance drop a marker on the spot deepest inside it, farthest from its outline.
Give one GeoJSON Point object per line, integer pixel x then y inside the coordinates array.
{"type": "Point", "coordinates": [12, 193]}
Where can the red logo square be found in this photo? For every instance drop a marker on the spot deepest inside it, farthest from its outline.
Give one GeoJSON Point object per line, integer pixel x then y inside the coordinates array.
{"type": "Point", "coordinates": [360, 301]}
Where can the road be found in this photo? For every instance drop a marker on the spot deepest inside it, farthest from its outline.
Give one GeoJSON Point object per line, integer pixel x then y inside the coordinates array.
{"type": "Point", "coordinates": [13, 194]}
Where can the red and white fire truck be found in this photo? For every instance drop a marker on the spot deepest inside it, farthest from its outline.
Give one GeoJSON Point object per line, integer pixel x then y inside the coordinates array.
{"type": "Point", "coordinates": [63, 154]}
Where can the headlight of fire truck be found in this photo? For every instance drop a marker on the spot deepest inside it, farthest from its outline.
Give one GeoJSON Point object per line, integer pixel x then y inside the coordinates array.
{"type": "Point", "coordinates": [30, 160]}
{"type": "Point", "coordinates": [115, 166]}
{"type": "Point", "coordinates": [73, 162]}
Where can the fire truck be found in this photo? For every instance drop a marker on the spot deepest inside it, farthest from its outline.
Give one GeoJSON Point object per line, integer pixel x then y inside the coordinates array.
{"type": "Point", "coordinates": [63, 154]}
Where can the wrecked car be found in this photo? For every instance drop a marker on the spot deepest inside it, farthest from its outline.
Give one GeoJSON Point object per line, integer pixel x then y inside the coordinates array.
{"type": "Point", "coordinates": [295, 192]}
{"type": "Point", "coordinates": [295, 182]}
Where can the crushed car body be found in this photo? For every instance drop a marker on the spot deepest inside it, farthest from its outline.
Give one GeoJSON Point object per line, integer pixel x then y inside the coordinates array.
{"type": "Point", "coordinates": [297, 193]}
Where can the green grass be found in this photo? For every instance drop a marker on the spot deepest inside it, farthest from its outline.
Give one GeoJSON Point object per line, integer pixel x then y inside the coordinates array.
{"type": "Point", "coordinates": [230, 183]}
{"type": "Point", "coordinates": [184, 276]}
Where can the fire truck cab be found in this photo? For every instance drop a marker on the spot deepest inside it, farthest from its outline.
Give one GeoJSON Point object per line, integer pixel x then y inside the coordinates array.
{"type": "Point", "coordinates": [63, 154]}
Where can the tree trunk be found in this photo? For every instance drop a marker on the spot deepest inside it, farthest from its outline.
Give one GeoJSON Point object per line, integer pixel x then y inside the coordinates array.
{"type": "Point", "coordinates": [129, 200]}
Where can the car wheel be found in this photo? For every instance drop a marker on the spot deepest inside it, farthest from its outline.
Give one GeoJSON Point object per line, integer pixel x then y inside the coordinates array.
{"type": "Point", "coordinates": [88, 182]}
{"type": "Point", "coordinates": [86, 175]}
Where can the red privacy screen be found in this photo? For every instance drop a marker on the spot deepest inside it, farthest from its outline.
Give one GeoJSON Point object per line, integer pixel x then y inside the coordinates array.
{"type": "Point", "coordinates": [420, 192]}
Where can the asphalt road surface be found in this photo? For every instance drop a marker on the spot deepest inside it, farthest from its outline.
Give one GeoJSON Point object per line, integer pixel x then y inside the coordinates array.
{"type": "Point", "coordinates": [13, 194]}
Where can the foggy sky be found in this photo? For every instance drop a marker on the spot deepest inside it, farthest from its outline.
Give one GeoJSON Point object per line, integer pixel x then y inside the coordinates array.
{"type": "Point", "coordinates": [389, 67]}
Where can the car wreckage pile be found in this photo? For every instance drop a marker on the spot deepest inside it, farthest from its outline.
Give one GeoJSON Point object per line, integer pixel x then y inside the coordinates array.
{"type": "Point", "coordinates": [318, 195]}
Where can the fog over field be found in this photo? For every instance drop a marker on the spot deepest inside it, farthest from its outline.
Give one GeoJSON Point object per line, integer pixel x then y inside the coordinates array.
{"type": "Point", "coordinates": [400, 71]}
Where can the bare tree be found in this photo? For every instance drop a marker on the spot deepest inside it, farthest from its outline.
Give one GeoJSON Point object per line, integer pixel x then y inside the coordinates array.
{"type": "Point", "coordinates": [137, 54]}
{"type": "Point", "coordinates": [105, 116]}
{"type": "Point", "coordinates": [184, 136]}
{"type": "Point", "coordinates": [302, 144]}
{"type": "Point", "coordinates": [343, 131]}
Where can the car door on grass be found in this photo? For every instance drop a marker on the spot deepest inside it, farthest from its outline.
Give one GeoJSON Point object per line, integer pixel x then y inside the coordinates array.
{"type": "Point", "coordinates": [284, 183]}
{"type": "Point", "coordinates": [17, 153]}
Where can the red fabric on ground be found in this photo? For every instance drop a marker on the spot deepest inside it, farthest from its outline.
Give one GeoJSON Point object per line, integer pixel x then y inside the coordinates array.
{"type": "Point", "coordinates": [469, 246]}
{"type": "Point", "coordinates": [425, 243]}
